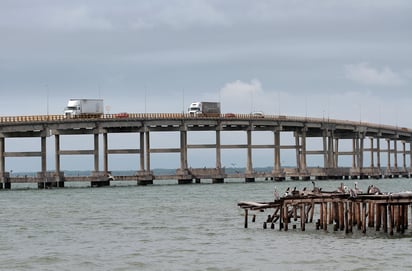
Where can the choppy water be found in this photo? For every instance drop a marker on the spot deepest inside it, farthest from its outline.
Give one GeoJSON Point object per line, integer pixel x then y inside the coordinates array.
{"type": "Point", "coordinates": [179, 227]}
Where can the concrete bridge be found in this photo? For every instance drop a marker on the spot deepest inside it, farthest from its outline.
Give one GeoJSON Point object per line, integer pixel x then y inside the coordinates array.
{"type": "Point", "coordinates": [394, 142]}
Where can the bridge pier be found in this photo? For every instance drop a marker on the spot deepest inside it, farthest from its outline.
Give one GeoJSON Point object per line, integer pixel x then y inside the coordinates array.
{"type": "Point", "coordinates": [184, 176]}
{"type": "Point", "coordinates": [144, 177]}
{"type": "Point", "coordinates": [5, 181]}
{"type": "Point", "coordinates": [100, 179]}
{"type": "Point", "coordinates": [50, 180]}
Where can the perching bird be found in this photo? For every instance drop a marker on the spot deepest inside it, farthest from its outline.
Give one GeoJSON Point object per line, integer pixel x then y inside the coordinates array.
{"type": "Point", "coordinates": [357, 190]}
{"type": "Point", "coordinates": [276, 194]}
{"type": "Point", "coordinates": [341, 189]}
{"type": "Point", "coordinates": [287, 192]}
{"type": "Point", "coordinates": [373, 190]}
{"type": "Point", "coordinates": [316, 189]}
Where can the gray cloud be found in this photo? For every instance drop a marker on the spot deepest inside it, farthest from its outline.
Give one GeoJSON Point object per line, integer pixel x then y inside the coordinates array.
{"type": "Point", "coordinates": [342, 59]}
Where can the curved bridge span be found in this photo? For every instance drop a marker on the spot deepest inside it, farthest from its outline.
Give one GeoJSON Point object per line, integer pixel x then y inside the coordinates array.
{"type": "Point", "coordinates": [395, 143]}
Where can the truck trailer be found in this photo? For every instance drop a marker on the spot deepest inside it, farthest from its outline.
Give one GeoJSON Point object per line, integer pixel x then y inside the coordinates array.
{"type": "Point", "coordinates": [84, 108]}
{"type": "Point", "coordinates": [207, 109]}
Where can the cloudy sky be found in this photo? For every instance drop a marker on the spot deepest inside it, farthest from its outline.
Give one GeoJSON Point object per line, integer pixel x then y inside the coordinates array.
{"type": "Point", "coordinates": [339, 59]}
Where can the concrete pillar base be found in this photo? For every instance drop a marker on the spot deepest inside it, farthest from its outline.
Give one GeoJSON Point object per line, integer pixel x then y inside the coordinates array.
{"type": "Point", "coordinates": [144, 177]}
{"type": "Point", "coordinates": [250, 179]}
{"type": "Point", "coordinates": [99, 183]}
{"type": "Point", "coordinates": [101, 179]}
{"type": "Point", "coordinates": [144, 182]}
{"type": "Point", "coordinates": [184, 181]}
{"type": "Point", "coordinates": [5, 181]}
{"type": "Point", "coordinates": [218, 180]}
{"type": "Point", "coordinates": [50, 180]}
{"type": "Point", "coordinates": [305, 178]}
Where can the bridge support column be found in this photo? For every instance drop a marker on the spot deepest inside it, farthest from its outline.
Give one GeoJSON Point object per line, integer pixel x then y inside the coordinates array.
{"type": "Point", "coordinates": [353, 153]}
{"type": "Point", "coordinates": [249, 177]}
{"type": "Point", "coordinates": [220, 177]}
{"type": "Point", "coordinates": [297, 152]}
{"type": "Point", "coordinates": [141, 151]}
{"type": "Point", "coordinates": [404, 168]}
{"type": "Point", "coordinates": [403, 156]}
{"type": "Point", "coordinates": [100, 177]}
{"type": "Point", "coordinates": [336, 156]}
{"type": "Point", "coordinates": [147, 147]}
{"type": "Point", "coordinates": [43, 156]}
{"type": "Point", "coordinates": [325, 149]}
{"type": "Point", "coordinates": [4, 176]}
{"type": "Point", "coordinates": [218, 151]}
{"type": "Point", "coordinates": [303, 152]}
{"type": "Point", "coordinates": [388, 166]}
{"type": "Point", "coordinates": [378, 155]}
{"type": "Point", "coordinates": [96, 151]}
{"type": "Point", "coordinates": [277, 172]}
{"type": "Point", "coordinates": [144, 175]}
{"type": "Point", "coordinates": [395, 155]}
{"type": "Point", "coordinates": [361, 151]}
{"type": "Point", "coordinates": [372, 165]}
{"type": "Point", "coordinates": [59, 176]}
{"type": "Point", "coordinates": [57, 153]}
{"type": "Point", "coordinates": [105, 154]}
{"type": "Point", "coordinates": [331, 156]}
{"type": "Point", "coordinates": [185, 176]}
{"type": "Point", "coordinates": [410, 158]}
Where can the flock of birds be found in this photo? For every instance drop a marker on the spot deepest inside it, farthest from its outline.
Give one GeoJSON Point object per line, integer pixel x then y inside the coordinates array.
{"type": "Point", "coordinates": [342, 189]}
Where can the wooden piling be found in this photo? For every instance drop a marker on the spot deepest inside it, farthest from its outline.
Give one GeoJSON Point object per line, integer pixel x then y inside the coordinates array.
{"type": "Point", "coordinates": [378, 217]}
{"type": "Point", "coordinates": [363, 217]}
{"type": "Point", "coordinates": [346, 215]}
{"type": "Point", "coordinates": [350, 216]}
{"type": "Point", "coordinates": [285, 218]}
{"type": "Point", "coordinates": [390, 219]}
{"type": "Point", "coordinates": [312, 211]}
{"type": "Point", "coordinates": [246, 219]}
{"type": "Point", "coordinates": [385, 217]}
{"type": "Point", "coordinates": [302, 217]}
{"type": "Point", "coordinates": [325, 217]}
{"type": "Point", "coordinates": [390, 212]}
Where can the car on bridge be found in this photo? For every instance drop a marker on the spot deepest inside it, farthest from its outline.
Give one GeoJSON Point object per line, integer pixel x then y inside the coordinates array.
{"type": "Point", "coordinates": [257, 114]}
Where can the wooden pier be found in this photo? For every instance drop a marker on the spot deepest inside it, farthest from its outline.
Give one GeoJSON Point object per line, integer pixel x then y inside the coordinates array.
{"type": "Point", "coordinates": [335, 211]}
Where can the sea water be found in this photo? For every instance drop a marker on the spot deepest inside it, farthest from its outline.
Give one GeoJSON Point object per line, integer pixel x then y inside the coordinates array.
{"type": "Point", "coordinates": [181, 227]}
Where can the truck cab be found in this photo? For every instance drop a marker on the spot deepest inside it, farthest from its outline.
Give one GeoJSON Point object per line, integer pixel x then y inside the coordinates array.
{"type": "Point", "coordinates": [195, 108]}
{"type": "Point", "coordinates": [72, 109]}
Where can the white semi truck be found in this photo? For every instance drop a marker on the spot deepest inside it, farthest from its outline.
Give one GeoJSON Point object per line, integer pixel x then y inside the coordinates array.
{"type": "Point", "coordinates": [84, 108]}
{"type": "Point", "coordinates": [208, 109]}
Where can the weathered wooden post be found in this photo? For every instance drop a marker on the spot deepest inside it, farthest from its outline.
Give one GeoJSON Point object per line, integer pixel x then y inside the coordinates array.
{"type": "Point", "coordinates": [363, 217]}
{"type": "Point", "coordinates": [385, 217]}
{"type": "Point", "coordinates": [358, 215]}
{"type": "Point", "coordinates": [302, 217]}
{"type": "Point", "coordinates": [350, 216]}
{"type": "Point", "coordinates": [321, 215]}
{"type": "Point", "coordinates": [286, 217]}
{"type": "Point", "coordinates": [246, 218]}
{"type": "Point", "coordinates": [371, 214]}
{"type": "Point", "coordinates": [341, 216]}
{"type": "Point", "coordinates": [390, 218]}
{"type": "Point", "coordinates": [312, 211]}
{"type": "Point", "coordinates": [325, 217]}
{"type": "Point", "coordinates": [346, 218]}
{"type": "Point", "coordinates": [333, 213]}
{"type": "Point", "coordinates": [378, 208]}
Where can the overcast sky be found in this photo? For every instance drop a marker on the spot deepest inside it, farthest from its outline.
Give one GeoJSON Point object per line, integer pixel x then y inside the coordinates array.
{"type": "Point", "coordinates": [339, 59]}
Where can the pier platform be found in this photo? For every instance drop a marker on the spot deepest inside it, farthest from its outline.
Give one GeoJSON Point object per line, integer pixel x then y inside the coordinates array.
{"type": "Point", "coordinates": [385, 212]}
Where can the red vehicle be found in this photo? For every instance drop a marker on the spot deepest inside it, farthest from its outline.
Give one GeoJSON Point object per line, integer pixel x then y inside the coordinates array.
{"type": "Point", "coordinates": [122, 115]}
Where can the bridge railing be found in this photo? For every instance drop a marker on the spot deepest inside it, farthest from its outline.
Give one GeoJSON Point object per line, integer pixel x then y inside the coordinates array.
{"type": "Point", "coordinates": [178, 116]}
